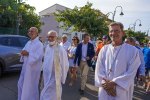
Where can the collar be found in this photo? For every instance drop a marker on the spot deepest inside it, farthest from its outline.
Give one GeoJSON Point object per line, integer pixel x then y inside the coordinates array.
{"type": "Point", "coordinates": [34, 40]}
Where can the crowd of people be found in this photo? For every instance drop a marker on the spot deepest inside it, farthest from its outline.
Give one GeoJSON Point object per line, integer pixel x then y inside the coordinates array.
{"type": "Point", "coordinates": [118, 64]}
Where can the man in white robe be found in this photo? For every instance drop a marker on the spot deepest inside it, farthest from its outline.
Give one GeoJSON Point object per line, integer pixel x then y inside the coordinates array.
{"type": "Point", "coordinates": [31, 56]}
{"type": "Point", "coordinates": [116, 67]}
{"type": "Point", "coordinates": [52, 69]}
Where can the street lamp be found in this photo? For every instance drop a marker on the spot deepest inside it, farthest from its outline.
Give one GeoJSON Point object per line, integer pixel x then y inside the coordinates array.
{"type": "Point", "coordinates": [115, 12]}
{"type": "Point", "coordinates": [135, 23]}
{"type": "Point", "coordinates": [130, 28]}
{"type": "Point", "coordinates": [109, 14]}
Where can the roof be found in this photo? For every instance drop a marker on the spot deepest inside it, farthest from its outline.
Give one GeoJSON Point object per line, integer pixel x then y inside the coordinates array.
{"type": "Point", "coordinates": [52, 9]}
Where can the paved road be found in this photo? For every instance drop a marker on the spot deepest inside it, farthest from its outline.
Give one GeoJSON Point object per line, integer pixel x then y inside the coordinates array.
{"type": "Point", "coordinates": [8, 89]}
{"type": "Point", "coordinates": [8, 86]}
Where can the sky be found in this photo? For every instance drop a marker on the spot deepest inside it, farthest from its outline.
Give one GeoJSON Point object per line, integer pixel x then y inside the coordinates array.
{"type": "Point", "coordinates": [134, 10]}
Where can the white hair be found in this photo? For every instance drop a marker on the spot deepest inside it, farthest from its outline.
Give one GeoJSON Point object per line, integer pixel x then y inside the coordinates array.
{"type": "Point", "coordinates": [35, 28]}
{"type": "Point", "coordinates": [64, 35]}
{"type": "Point", "coordinates": [52, 31]}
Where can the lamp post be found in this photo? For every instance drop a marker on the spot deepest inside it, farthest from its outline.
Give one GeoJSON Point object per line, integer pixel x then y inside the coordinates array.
{"type": "Point", "coordinates": [115, 12]}
{"type": "Point", "coordinates": [131, 28]}
{"type": "Point", "coordinates": [135, 23]}
{"type": "Point", "coordinates": [109, 14]}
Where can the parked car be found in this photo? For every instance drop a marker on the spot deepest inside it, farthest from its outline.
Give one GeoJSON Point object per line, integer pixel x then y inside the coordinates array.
{"type": "Point", "coordinates": [10, 47]}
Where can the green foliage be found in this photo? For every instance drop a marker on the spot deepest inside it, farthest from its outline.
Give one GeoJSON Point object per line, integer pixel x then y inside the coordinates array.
{"type": "Point", "coordinates": [84, 19]}
{"type": "Point", "coordinates": [11, 11]}
{"type": "Point", "coordinates": [140, 36]}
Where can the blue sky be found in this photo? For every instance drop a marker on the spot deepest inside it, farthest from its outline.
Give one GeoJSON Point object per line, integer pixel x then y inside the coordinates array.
{"type": "Point", "coordinates": [132, 9]}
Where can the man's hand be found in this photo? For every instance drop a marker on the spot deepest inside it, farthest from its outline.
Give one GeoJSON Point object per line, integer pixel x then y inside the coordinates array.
{"type": "Point", "coordinates": [24, 53]}
{"type": "Point", "coordinates": [95, 57]}
{"type": "Point", "coordinates": [110, 87]}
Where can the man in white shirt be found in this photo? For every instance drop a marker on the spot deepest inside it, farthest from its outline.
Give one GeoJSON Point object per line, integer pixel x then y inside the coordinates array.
{"type": "Point", "coordinates": [65, 43]}
{"type": "Point", "coordinates": [55, 68]}
{"type": "Point", "coordinates": [31, 56]}
{"type": "Point", "coordinates": [116, 67]}
{"type": "Point", "coordinates": [83, 57]}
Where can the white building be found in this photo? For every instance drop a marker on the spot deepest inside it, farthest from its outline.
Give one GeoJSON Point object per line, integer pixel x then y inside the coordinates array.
{"type": "Point", "coordinates": [49, 22]}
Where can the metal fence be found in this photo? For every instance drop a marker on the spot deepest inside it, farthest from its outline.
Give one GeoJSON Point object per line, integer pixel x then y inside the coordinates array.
{"type": "Point", "coordinates": [4, 30]}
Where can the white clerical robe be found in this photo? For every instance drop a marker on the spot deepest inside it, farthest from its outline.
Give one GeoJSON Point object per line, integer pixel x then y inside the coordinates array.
{"type": "Point", "coordinates": [30, 74]}
{"type": "Point", "coordinates": [118, 64]}
{"type": "Point", "coordinates": [49, 90]}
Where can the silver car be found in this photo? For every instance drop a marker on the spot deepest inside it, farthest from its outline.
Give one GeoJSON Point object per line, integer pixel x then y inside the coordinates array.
{"type": "Point", "coordinates": [10, 47]}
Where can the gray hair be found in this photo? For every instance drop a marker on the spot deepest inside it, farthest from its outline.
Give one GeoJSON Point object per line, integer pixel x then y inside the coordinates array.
{"type": "Point", "coordinates": [35, 28]}
{"type": "Point", "coordinates": [52, 31]}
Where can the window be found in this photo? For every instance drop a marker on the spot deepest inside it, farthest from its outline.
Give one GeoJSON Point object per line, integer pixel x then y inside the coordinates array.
{"type": "Point", "coordinates": [23, 41]}
{"type": "Point", "coordinates": [14, 41]}
{"type": "Point", "coordinates": [5, 41]}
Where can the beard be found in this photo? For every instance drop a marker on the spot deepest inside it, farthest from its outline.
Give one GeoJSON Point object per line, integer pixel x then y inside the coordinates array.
{"type": "Point", "coordinates": [52, 43]}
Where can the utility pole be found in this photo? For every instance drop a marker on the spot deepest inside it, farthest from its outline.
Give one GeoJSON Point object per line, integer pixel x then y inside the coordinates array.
{"type": "Point", "coordinates": [19, 18]}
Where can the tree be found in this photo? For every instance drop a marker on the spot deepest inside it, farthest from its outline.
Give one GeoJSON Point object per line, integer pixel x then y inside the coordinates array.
{"type": "Point", "coordinates": [84, 19]}
{"type": "Point", "coordinates": [140, 36]}
{"type": "Point", "coordinates": [11, 11]}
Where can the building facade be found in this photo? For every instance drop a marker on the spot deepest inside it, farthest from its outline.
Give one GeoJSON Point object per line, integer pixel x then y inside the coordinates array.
{"type": "Point", "coordinates": [49, 23]}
